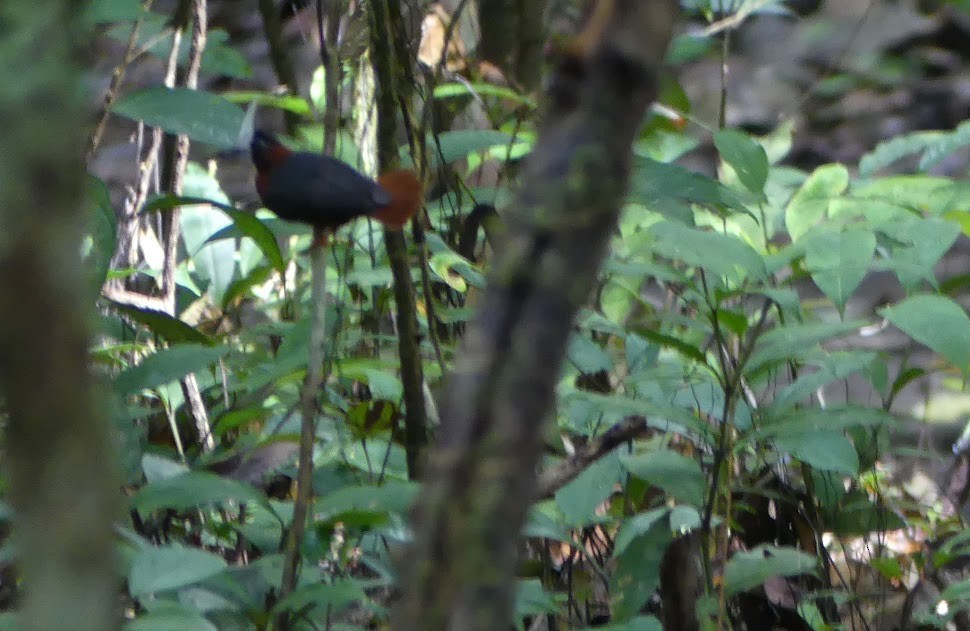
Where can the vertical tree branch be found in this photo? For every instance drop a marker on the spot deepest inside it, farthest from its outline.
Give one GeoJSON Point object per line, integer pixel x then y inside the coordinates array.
{"type": "Point", "coordinates": [459, 572]}
{"type": "Point", "coordinates": [387, 69]}
{"type": "Point", "coordinates": [318, 328]}
{"type": "Point", "coordinates": [57, 448]}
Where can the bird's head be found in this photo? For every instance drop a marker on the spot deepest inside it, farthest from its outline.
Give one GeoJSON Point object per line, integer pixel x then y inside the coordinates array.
{"type": "Point", "coordinates": [266, 150]}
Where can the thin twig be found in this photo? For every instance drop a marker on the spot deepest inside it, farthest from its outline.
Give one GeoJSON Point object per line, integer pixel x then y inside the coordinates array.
{"type": "Point", "coordinates": [116, 80]}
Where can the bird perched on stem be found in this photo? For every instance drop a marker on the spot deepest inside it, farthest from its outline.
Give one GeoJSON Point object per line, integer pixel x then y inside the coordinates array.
{"type": "Point", "coordinates": [326, 193]}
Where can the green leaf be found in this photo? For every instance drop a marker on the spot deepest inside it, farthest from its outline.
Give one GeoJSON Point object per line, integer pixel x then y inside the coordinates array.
{"type": "Point", "coordinates": [722, 254]}
{"type": "Point", "coordinates": [683, 519]}
{"type": "Point", "coordinates": [839, 261]}
{"type": "Point", "coordinates": [680, 477]}
{"type": "Point", "coordinates": [102, 11]}
{"type": "Point", "coordinates": [821, 420]}
{"type": "Point", "coordinates": [532, 600]}
{"type": "Point", "coordinates": [637, 526]}
{"type": "Point", "coordinates": [202, 116]}
{"type": "Point", "coordinates": [637, 572]}
{"type": "Point", "coordinates": [287, 102]}
{"type": "Point", "coordinates": [194, 488]}
{"type": "Point", "coordinates": [895, 149]}
{"type": "Point", "coordinates": [794, 341]}
{"type": "Point", "coordinates": [170, 616]}
{"type": "Point", "coordinates": [953, 141]}
{"type": "Point", "coordinates": [368, 505]}
{"type": "Point", "coordinates": [746, 157]}
{"type": "Point", "coordinates": [825, 450]}
{"type": "Point", "coordinates": [335, 596]}
{"type": "Point", "coordinates": [455, 145]}
{"type": "Point", "coordinates": [214, 263]}
{"type": "Point", "coordinates": [811, 202]}
{"type": "Point", "coordinates": [936, 322]}
{"type": "Point", "coordinates": [579, 499]}
{"type": "Point", "coordinates": [929, 240]}
{"type": "Point", "coordinates": [171, 567]}
{"type": "Point", "coordinates": [167, 327]}
{"type": "Point", "coordinates": [858, 516]}
{"type": "Point", "coordinates": [262, 236]}
{"type": "Point", "coordinates": [103, 228]}
{"type": "Point", "coordinates": [464, 88]}
{"type": "Point", "coordinates": [671, 189]}
{"type": "Point", "coordinates": [830, 368]}
{"type": "Point", "coordinates": [751, 568]}
{"type": "Point", "coordinates": [165, 366]}
{"type": "Point", "coordinates": [586, 355]}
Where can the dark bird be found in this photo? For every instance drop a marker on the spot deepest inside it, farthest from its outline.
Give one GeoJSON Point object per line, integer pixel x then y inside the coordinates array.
{"type": "Point", "coordinates": [327, 193]}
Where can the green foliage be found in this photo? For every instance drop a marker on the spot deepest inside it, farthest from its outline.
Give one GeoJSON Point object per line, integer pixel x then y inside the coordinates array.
{"type": "Point", "coordinates": [726, 318]}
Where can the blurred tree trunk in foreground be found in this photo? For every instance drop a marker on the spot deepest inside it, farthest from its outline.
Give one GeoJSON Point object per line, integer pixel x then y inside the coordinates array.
{"type": "Point", "coordinates": [57, 451]}
{"type": "Point", "coordinates": [460, 572]}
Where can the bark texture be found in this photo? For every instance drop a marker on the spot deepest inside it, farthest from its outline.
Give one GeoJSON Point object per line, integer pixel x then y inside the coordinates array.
{"type": "Point", "coordinates": [459, 572]}
{"type": "Point", "coordinates": [57, 448]}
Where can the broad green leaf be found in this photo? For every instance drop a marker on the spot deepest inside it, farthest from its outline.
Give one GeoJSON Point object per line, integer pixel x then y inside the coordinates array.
{"type": "Point", "coordinates": [167, 327]}
{"type": "Point", "coordinates": [455, 145]}
{"type": "Point", "coordinates": [458, 89]}
{"type": "Point", "coordinates": [722, 254]}
{"type": "Point", "coordinates": [680, 477]}
{"type": "Point", "coordinates": [103, 11]}
{"type": "Point", "coordinates": [683, 519]}
{"type": "Point", "coordinates": [937, 322]}
{"type": "Point", "coordinates": [748, 569]}
{"type": "Point", "coordinates": [929, 240]}
{"type": "Point", "coordinates": [194, 488]}
{"type": "Point", "coordinates": [746, 157]}
{"type": "Point", "coordinates": [212, 263]}
{"type": "Point", "coordinates": [821, 420]}
{"type": "Point", "coordinates": [532, 600]}
{"type": "Point", "coordinates": [455, 270]}
{"type": "Point", "coordinates": [171, 567]}
{"type": "Point", "coordinates": [102, 228]}
{"type": "Point", "coordinates": [824, 450]}
{"type": "Point", "coordinates": [202, 116]}
{"type": "Point", "coordinates": [839, 261]}
{"type": "Point", "coordinates": [579, 499]}
{"type": "Point", "coordinates": [953, 141]}
{"type": "Point", "coordinates": [829, 368]}
{"type": "Point", "coordinates": [170, 616]}
{"type": "Point", "coordinates": [637, 526]}
{"type": "Point", "coordinates": [167, 365]}
{"type": "Point", "coordinates": [895, 149]}
{"type": "Point", "coordinates": [671, 190]}
{"type": "Point", "coordinates": [367, 504]}
{"type": "Point", "coordinates": [546, 520]}
{"type": "Point", "coordinates": [794, 341]}
{"type": "Point", "coordinates": [913, 193]}
{"type": "Point", "coordinates": [810, 204]}
{"type": "Point", "coordinates": [245, 224]}
{"type": "Point", "coordinates": [586, 355]}
{"type": "Point", "coordinates": [334, 597]}
{"type": "Point", "coordinates": [637, 572]}
{"type": "Point", "coordinates": [287, 102]}
{"type": "Point", "coordinates": [858, 516]}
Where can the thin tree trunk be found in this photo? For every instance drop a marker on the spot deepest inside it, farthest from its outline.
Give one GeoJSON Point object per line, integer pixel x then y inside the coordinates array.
{"type": "Point", "coordinates": [460, 571]}
{"type": "Point", "coordinates": [57, 448]}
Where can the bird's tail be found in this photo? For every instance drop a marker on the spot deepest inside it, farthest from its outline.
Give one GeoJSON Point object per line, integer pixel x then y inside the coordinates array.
{"type": "Point", "coordinates": [406, 198]}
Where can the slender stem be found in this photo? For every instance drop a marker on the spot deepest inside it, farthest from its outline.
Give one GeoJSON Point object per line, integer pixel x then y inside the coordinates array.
{"type": "Point", "coordinates": [308, 422]}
